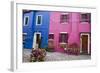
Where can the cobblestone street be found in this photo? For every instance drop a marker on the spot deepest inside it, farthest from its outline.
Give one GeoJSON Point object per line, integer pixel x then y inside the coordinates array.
{"type": "Point", "coordinates": [55, 56]}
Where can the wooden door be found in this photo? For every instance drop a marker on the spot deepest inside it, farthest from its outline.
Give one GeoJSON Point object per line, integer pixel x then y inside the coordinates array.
{"type": "Point", "coordinates": [85, 44]}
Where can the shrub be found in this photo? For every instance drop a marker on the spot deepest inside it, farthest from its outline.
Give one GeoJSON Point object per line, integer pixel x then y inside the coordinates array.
{"type": "Point", "coordinates": [73, 49]}
{"type": "Point", "coordinates": [37, 55]}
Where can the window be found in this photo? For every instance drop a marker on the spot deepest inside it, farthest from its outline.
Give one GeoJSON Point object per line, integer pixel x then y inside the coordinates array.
{"type": "Point", "coordinates": [51, 36]}
{"type": "Point", "coordinates": [26, 20]}
{"type": "Point", "coordinates": [39, 20]}
{"type": "Point", "coordinates": [63, 38]}
{"type": "Point", "coordinates": [24, 37]}
{"type": "Point", "coordinates": [85, 17]}
{"type": "Point", "coordinates": [64, 18]}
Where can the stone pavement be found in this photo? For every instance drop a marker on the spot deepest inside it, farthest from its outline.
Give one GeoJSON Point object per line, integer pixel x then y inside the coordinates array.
{"type": "Point", "coordinates": [55, 56]}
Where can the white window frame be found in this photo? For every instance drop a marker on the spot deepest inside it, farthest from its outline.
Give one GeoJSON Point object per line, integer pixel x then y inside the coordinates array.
{"type": "Point", "coordinates": [64, 13]}
{"type": "Point", "coordinates": [25, 20]}
{"type": "Point", "coordinates": [24, 33]}
{"type": "Point", "coordinates": [37, 20]}
{"type": "Point", "coordinates": [34, 38]}
{"type": "Point", "coordinates": [63, 32]}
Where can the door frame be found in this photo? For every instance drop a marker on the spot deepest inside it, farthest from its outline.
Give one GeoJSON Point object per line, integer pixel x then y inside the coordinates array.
{"type": "Point", "coordinates": [84, 33]}
{"type": "Point", "coordinates": [34, 39]}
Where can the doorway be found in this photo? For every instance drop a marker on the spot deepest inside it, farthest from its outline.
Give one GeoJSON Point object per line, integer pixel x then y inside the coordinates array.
{"type": "Point", "coordinates": [85, 43]}
{"type": "Point", "coordinates": [37, 40]}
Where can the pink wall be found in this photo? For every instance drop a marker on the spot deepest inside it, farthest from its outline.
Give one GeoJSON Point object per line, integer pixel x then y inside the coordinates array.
{"type": "Point", "coordinates": [73, 28]}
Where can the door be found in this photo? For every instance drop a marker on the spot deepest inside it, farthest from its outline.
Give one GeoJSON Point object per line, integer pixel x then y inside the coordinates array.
{"type": "Point", "coordinates": [85, 44]}
{"type": "Point", "coordinates": [37, 40]}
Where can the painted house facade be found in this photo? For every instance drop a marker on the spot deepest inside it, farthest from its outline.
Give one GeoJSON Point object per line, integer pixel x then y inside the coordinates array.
{"type": "Point", "coordinates": [28, 29]}
{"type": "Point", "coordinates": [68, 28]}
{"type": "Point", "coordinates": [35, 29]}
{"type": "Point", "coordinates": [57, 30]}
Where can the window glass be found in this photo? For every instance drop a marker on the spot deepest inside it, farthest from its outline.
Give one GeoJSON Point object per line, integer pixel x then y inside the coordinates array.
{"type": "Point", "coordinates": [63, 38]}
{"type": "Point", "coordinates": [64, 18]}
{"type": "Point", "coordinates": [39, 19]}
{"type": "Point", "coordinates": [51, 36]}
{"type": "Point", "coordinates": [86, 17]}
{"type": "Point", "coordinates": [26, 20]}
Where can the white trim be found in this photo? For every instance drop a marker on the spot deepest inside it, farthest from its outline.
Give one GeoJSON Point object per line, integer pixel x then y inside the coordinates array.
{"type": "Point", "coordinates": [50, 39]}
{"type": "Point", "coordinates": [37, 19]}
{"type": "Point", "coordinates": [62, 43]}
{"type": "Point", "coordinates": [25, 20]}
{"type": "Point", "coordinates": [83, 13]}
{"type": "Point", "coordinates": [64, 13]}
{"type": "Point", "coordinates": [34, 39]}
{"type": "Point", "coordinates": [24, 33]}
{"type": "Point", "coordinates": [51, 33]}
{"type": "Point", "coordinates": [64, 32]}
{"type": "Point", "coordinates": [80, 44]}
{"type": "Point", "coordinates": [64, 23]}
{"type": "Point", "coordinates": [88, 42]}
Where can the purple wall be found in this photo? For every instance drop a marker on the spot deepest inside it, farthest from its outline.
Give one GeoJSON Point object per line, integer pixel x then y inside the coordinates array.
{"type": "Point", "coordinates": [74, 27]}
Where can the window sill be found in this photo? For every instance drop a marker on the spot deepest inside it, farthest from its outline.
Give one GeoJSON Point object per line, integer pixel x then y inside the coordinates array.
{"type": "Point", "coordinates": [38, 24]}
{"type": "Point", "coordinates": [51, 39]}
{"type": "Point", "coordinates": [84, 22]}
{"type": "Point", "coordinates": [65, 23]}
{"type": "Point", "coordinates": [62, 43]}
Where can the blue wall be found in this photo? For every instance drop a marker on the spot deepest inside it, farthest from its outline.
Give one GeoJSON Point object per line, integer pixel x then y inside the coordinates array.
{"type": "Point", "coordinates": [32, 28]}
{"type": "Point", "coordinates": [43, 28]}
{"type": "Point", "coordinates": [28, 29]}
